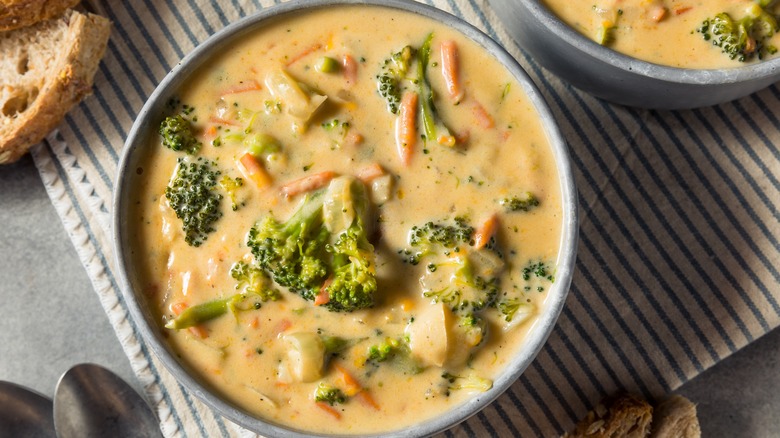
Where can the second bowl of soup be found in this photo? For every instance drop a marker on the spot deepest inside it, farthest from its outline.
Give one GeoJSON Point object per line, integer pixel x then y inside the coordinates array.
{"type": "Point", "coordinates": [665, 54]}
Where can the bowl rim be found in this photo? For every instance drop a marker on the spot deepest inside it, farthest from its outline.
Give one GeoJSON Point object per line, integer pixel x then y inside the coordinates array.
{"type": "Point", "coordinates": [142, 129]}
{"type": "Point", "coordinates": [718, 76]}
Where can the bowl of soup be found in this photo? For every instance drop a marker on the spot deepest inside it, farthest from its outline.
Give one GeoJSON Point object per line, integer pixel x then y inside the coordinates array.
{"type": "Point", "coordinates": [670, 54]}
{"type": "Point", "coordinates": [346, 218]}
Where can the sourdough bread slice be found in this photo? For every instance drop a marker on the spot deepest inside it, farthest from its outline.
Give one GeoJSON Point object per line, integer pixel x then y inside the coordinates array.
{"type": "Point", "coordinates": [627, 416]}
{"type": "Point", "coordinates": [15, 14]}
{"type": "Point", "coordinates": [46, 69]}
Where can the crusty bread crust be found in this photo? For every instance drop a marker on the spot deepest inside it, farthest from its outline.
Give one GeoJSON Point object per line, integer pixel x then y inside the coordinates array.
{"type": "Point", "coordinates": [628, 416]}
{"type": "Point", "coordinates": [67, 80]}
{"type": "Point", "coordinates": [676, 418]}
{"type": "Point", "coordinates": [15, 14]}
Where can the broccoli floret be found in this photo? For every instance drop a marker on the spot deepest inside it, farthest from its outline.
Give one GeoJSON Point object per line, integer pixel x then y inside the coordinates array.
{"type": "Point", "coordinates": [384, 350]}
{"type": "Point", "coordinates": [298, 255]}
{"type": "Point", "coordinates": [192, 194]}
{"type": "Point", "coordinates": [470, 382]}
{"type": "Point", "coordinates": [515, 307]}
{"type": "Point", "coordinates": [433, 238]}
{"type": "Point", "coordinates": [329, 394]}
{"type": "Point", "coordinates": [538, 269]}
{"type": "Point", "coordinates": [393, 73]}
{"type": "Point", "coordinates": [523, 202]}
{"type": "Point", "coordinates": [231, 186]}
{"type": "Point", "coordinates": [354, 278]}
{"type": "Point", "coordinates": [395, 352]}
{"type": "Point", "coordinates": [254, 281]}
{"type": "Point", "coordinates": [742, 39]}
{"type": "Point", "coordinates": [464, 291]}
{"type": "Point", "coordinates": [177, 135]}
{"type": "Point", "coordinates": [293, 252]}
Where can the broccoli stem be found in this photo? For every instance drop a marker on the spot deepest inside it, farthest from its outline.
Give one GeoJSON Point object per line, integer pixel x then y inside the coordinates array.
{"type": "Point", "coordinates": [199, 314]}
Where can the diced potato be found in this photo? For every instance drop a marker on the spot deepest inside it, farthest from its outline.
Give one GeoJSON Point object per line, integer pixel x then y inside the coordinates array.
{"type": "Point", "coordinates": [297, 102]}
{"type": "Point", "coordinates": [305, 356]}
{"type": "Point", "coordinates": [429, 335]}
{"type": "Point", "coordinates": [339, 209]}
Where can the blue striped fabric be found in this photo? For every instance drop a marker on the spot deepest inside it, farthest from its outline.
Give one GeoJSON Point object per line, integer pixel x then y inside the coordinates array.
{"type": "Point", "coordinates": [679, 248]}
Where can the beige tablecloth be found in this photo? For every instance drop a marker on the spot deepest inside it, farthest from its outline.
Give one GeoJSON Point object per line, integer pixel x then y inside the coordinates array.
{"type": "Point", "coordinates": [679, 251]}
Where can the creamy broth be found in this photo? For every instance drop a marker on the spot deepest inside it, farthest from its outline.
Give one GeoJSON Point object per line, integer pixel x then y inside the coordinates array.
{"type": "Point", "coordinates": [666, 32]}
{"type": "Point", "coordinates": [500, 151]}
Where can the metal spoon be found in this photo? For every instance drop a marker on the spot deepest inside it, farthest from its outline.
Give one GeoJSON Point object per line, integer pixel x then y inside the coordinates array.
{"type": "Point", "coordinates": [24, 413]}
{"type": "Point", "coordinates": [91, 401]}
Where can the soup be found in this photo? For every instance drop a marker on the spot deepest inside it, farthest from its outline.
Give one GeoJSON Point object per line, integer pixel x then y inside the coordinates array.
{"type": "Point", "coordinates": [702, 34]}
{"type": "Point", "coordinates": [349, 221]}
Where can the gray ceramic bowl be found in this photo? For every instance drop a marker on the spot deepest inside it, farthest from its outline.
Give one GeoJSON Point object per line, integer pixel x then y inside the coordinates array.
{"type": "Point", "coordinates": [619, 78]}
{"type": "Point", "coordinates": [144, 128]}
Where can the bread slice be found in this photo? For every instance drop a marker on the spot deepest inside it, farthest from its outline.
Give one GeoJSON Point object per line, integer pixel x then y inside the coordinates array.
{"type": "Point", "coordinates": [676, 418]}
{"type": "Point", "coordinates": [15, 14]}
{"type": "Point", "coordinates": [45, 70]}
{"type": "Point", "coordinates": [627, 416]}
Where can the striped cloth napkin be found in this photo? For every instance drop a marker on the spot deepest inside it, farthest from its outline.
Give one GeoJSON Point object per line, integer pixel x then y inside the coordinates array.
{"type": "Point", "coordinates": [679, 251]}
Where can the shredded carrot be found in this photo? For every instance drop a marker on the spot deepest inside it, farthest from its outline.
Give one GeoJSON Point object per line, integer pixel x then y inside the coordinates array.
{"type": "Point", "coordinates": [211, 132]}
{"type": "Point", "coordinates": [485, 231]}
{"type": "Point", "coordinates": [484, 119]}
{"type": "Point", "coordinates": [254, 323]}
{"type": "Point", "coordinates": [450, 70]}
{"type": "Point", "coordinates": [463, 137]}
{"type": "Point", "coordinates": [311, 49]}
{"type": "Point", "coordinates": [323, 297]}
{"type": "Point", "coordinates": [353, 139]}
{"type": "Point", "coordinates": [367, 399]}
{"type": "Point", "coordinates": [282, 326]}
{"type": "Point", "coordinates": [307, 183]}
{"type": "Point", "coordinates": [682, 10]}
{"type": "Point", "coordinates": [329, 409]}
{"type": "Point", "coordinates": [406, 127]}
{"type": "Point", "coordinates": [254, 171]}
{"type": "Point", "coordinates": [220, 121]}
{"type": "Point", "coordinates": [657, 13]}
{"type": "Point", "coordinates": [349, 66]}
{"type": "Point", "coordinates": [352, 385]}
{"type": "Point", "coordinates": [252, 85]}
{"type": "Point", "coordinates": [370, 172]}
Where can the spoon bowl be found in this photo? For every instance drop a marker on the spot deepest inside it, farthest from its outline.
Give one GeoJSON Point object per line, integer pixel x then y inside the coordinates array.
{"type": "Point", "coordinates": [91, 401]}
{"type": "Point", "coordinates": [24, 412]}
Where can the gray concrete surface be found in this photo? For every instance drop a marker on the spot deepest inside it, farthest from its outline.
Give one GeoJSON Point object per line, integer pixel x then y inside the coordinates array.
{"type": "Point", "coordinates": [51, 319]}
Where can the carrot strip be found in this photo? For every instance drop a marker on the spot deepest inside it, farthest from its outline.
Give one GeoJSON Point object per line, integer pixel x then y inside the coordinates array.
{"type": "Point", "coordinates": [282, 326]}
{"type": "Point", "coordinates": [485, 231]}
{"type": "Point", "coordinates": [657, 13]}
{"type": "Point", "coordinates": [252, 85]}
{"type": "Point", "coordinates": [406, 127]}
{"type": "Point", "coordinates": [370, 172]}
{"type": "Point", "coordinates": [450, 70]}
{"type": "Point", "coordinates": [682, 10]}
{"type": "Point", "coordinates": [329, 409]}
{"type": "Point", "coordinates": [196, 330]}
{"type": "Point", "coordinates": [253, 170]}
{"type": "Point", "coordinates": [353, 139]}
{"type": "Point", "coordinates": [349, 66]}
{"type": "Point", "coordinates": [323, 297]}
{"type": "Point", "coordinates": [220, 121]}
{"type": "Point", "coordinates": [484, 119]}
{"type": "Point", "coordinates": [367, 399]}
{"type": "Point", "coordinates": [307, 183]}
{"type": "Point", "coordinates": [352, 385]}
{"type": "Point", "coordinates": [304, 54]}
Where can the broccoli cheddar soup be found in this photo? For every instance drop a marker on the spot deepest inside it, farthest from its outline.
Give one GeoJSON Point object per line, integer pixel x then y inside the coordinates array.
{"type": "Point", "coordinates": [703, 34]}
{"type": "Point", "coordinates": [349, 220]}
